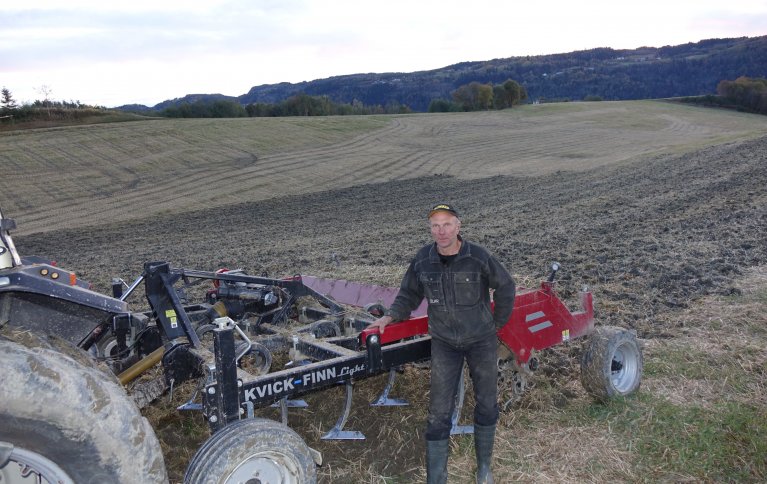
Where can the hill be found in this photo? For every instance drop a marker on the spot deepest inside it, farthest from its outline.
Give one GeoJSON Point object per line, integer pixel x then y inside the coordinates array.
{"type": "Point", "coordinates": [613, 74]}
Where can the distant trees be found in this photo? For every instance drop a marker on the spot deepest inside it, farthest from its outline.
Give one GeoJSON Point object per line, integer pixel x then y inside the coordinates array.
{"type": "Point", "coordinates": [45, 112]}
{"type": "Point", "coordinates": [46, 91]}
{"type": "Point", "coordinates": [7, 103]}
{"type": "Point", "coordinates": [746, 93]}
{"type": "Point", "coordinates": [443, 106]}
{"type": "Point", "coordinates": [304, 105]}
{"type": "Point", "coordinates": [297, 105]}
{"type": "Point", "coordinates": [206, 109]}
{"type": "Point", "coordinates": [508, 94]}
{"type": "Point", "coordinates": [476, 96]}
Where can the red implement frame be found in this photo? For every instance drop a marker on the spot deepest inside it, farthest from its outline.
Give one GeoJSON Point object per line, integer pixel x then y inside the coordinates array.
{"type": "Point", "coordinates": [540, 320]}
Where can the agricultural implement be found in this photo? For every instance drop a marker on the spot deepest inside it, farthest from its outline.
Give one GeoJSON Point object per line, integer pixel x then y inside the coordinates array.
{"type": "Point", "coordinates": [250, 342]}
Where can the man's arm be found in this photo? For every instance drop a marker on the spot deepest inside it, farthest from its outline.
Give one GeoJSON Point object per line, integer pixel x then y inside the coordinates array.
{"type": "Point", "coordinates": [505, 291]}
{"type": "Point", "coordinates": [408, 298]}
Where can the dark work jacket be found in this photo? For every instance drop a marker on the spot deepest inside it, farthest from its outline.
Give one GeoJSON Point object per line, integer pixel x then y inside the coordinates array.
{"type": "Point", "coordinates": [458, 294]}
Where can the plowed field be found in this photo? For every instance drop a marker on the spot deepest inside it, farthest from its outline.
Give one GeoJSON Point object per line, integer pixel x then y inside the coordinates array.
{"type": "Point", "coordinates": [654, 206]}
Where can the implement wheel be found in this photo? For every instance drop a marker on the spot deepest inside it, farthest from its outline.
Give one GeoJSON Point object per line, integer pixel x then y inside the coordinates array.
{"type": "Point", "coordinates": [64, 420]}
{"type": "Point", "coordinates": [253, 450]}
{"type": "Point", "coordinates": [611, 365]}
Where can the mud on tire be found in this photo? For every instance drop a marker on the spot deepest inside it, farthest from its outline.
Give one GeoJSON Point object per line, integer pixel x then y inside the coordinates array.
{"type": "Point", "coordinates": [60, 409]}
{"type": "Point", "coordinates": [611, 364]}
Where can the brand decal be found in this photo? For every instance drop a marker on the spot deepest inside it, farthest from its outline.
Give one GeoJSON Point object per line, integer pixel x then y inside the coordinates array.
{"type": "Point", "coordinates": [2, 250]}
{"type": "Point", "coordinates": [286, 385]}
{"type": "Point", "coordinates": [539, 326]}
{"type": "Point", "coordinates": [172, 318]}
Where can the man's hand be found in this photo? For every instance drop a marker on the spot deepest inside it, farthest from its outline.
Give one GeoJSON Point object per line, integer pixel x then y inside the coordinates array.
{"type": "Point", "coordinates": [381, 323]}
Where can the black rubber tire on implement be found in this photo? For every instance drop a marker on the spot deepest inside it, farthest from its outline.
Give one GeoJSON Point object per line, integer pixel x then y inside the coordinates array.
{"type": "Point", "coordinates": [59, 408]}
{"type": "Point", "coordinates": [252, 448]}
{"type": "Point", "coordinates": [611, 364]}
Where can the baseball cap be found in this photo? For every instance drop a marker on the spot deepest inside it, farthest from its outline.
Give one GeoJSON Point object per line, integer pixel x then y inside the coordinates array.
{"type": "Point", "coordinates": [443, 207]}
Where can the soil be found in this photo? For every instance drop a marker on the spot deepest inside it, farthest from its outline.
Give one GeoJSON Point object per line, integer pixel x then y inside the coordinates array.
{"type": "Point", "coordinates": [648, 236]}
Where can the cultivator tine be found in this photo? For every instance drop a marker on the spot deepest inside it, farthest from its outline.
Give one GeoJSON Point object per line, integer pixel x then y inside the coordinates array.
{"type": "Point", "coordinates": [284, 410]}
{"type": "Point", "coordinates": [291, 403]}
{"type": "Point", "coordinates": [249, 410]}
{"type": "Point", "coordinates": [460, 429]}
{"type": "Point", "coordinates": [384, 400]}
{"type": "Point", "coordinates": [338, 432]}
{"type": "Point", "coordinates": [284, 404]}
{"type": "Point", "coordinates": [190, 405]}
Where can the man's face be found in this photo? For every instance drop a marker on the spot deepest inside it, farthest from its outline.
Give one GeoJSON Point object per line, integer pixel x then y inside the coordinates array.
{"type": "Point", "coordinates": [444, 229]}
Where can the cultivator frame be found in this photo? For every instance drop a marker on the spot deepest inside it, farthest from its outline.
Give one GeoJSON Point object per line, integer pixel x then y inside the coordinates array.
{"type": "Point", "coordinates": [230, 392]}
{"type": "Point", "coordinates": [539, 320]}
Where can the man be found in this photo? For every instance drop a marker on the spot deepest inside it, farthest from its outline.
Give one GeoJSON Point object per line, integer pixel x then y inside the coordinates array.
{"type": "Point", "coordinates": [456, 276]}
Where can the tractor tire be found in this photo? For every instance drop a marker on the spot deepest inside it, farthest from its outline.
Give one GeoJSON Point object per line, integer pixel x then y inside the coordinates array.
{"type": "Point", "coordinates": [68, 420]}
{"type": "Point", "coordinates": [611, 364]}
{"type": "Point", "coordinates": [253, 450]}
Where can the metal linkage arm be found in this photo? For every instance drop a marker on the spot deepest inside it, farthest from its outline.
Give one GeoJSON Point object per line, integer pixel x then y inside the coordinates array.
{"type": "Point", "coordinates": [166, 304]}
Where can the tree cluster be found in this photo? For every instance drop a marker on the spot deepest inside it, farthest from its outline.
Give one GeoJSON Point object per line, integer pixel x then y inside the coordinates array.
{"type": "Point", "coordinates": [749, 94]}
{"type": "Point", "coordinates": [306, 105]}
{"type": "Point", "coordinates": [476, 96]}
{"type": "Point", "coordinates": [7, 103]}
{"type": "Point", "coordinates": [206, 109]}
{"type": "Point", "coordinates": [296, 105]}
{"type": "Point", "coordinates": [45, 110]}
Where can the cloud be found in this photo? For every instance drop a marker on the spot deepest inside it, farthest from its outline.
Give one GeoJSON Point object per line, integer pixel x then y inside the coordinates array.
{"type": "Point", "coordinates": [148, 50]}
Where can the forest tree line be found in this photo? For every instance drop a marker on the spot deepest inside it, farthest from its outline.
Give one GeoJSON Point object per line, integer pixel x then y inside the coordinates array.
{"type": "Point", "coordinates": [473, 96]}
{"type": "Point", "coordinates": [297, 105]}
{"type": "Point", "coordinates": [12, 112]}
{"type": "Point", "coordinates": [476, 96]}
{"type": "Point", "coordinates": [747, 93]}
{"type": "Point", "coordinates": [744, 94]}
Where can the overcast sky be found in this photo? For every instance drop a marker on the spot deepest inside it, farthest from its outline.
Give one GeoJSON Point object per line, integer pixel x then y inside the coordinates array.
{"type": "Point", "coordinates": [146, 51]}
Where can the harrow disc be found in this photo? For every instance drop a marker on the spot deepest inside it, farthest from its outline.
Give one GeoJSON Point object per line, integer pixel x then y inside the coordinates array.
{"type": "Point", "coordinates": [512, 382]}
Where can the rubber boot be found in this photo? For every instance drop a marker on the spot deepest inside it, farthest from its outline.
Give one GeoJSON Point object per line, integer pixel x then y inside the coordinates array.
{"type": "Point", "coordinates": [436, 461]}
{"type": "Point", "coordinates": [484, 437]}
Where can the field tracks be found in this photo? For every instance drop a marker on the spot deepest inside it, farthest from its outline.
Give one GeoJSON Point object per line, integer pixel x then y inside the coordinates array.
{"type": "Point", "coordinates": [90, 175]}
